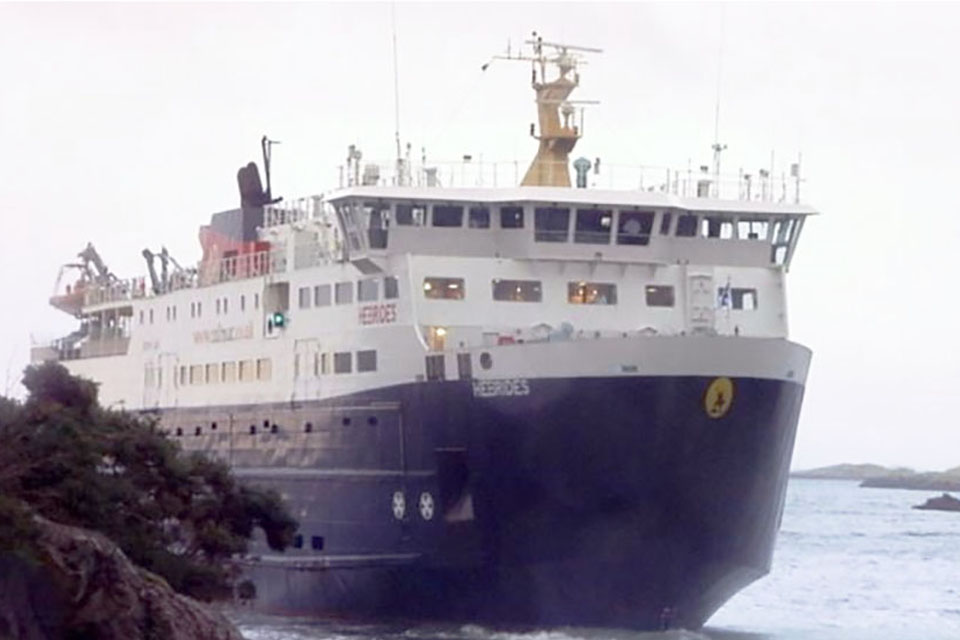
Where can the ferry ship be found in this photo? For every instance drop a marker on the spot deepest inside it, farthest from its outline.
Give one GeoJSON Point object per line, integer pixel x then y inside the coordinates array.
{"type": "Point", "coordinates": [548, 403]}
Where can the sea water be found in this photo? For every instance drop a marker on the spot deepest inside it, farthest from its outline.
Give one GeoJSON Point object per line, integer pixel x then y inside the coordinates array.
{"type": "Point", "coordinates": [850, 563]}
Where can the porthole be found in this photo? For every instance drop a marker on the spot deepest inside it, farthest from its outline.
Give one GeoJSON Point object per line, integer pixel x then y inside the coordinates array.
{"type": "Point", "coordinates": [346, 422]}
{"type": "Point", "coordinates": [372, 421]}
{"type": "Point", "coordinates": [198, 431]}
{"type": "Point", "coordinates": [308, 427]}
{"type": "Point", "coordinates": [213, 426]}
{"type": "Point", "coordinates": [179, 431]}
{"type": "Point", "coordinates": [253, 429]}
{"type": "Point", "coordinates": [486, 360]}
{"type": "Point", "coordinates": [274, 428]}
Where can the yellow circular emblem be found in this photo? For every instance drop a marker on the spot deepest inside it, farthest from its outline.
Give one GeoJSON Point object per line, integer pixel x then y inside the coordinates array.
{"type": "Point", "coordinates": [718, 398]}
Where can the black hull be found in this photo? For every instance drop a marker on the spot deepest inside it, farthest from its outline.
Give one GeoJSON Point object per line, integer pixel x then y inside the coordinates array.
{"type": "Point", "coordinates": [593, 501]}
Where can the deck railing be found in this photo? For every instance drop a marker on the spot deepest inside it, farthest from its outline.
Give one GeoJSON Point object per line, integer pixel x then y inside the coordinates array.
{"type": "Point", "coordinates": [763, 185]}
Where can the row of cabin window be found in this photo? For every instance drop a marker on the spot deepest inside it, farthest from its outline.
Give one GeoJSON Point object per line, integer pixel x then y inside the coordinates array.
{"type": "Point", "coordinates": [580, 292]}
{"type": "Point", "coordinates": [342, 363]}
{"type": "Point", "coordinates": [592, 225]}
{"type": "Point", "coordinates": [260, 370]}
{"type": "Point", "coordinates": [323, 295]}
{"type": "Point", "coordinates": [196, 309]}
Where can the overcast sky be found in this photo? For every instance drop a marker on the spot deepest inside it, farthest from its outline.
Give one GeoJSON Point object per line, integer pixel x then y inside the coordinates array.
{"type": "Point", "coordinates": [125, 125]}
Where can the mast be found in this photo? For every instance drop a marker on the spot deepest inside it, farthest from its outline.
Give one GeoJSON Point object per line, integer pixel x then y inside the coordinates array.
{"type": "Point", "coordinates": [558, 132]}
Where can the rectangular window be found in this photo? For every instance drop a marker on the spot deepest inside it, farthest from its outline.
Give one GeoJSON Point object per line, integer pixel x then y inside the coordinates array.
{"type": "Point", "coordinates": [228, 371]}
{"type": "Point", "coordinates": [183, 375]}
{"type": "Point", "coordinates": [218, 306]}
{"type": "Point", "coordinates": [635, 227]}
{"type": "Point", "coordinates": [511, 217]}
{"type": "Point", "coordinates": [479, 218]}
{"type": "Point", "coordinates": [196, 374]}
{"type": "Point", "coordinates": [243, 303]}
{"type": "Point", "coordinates": [246, 371]}
{"type": "Point", "coordinates": [391, 288]}
{"type": "Point", "coordinates": [324, 363]}
{"type": "Point", "coordinates": [213, 374]}
{"type": "Point", "coordinates": [226, 305]}
{"type": "Point", "coordinates": [256, 301]}
{"type": "Point", "coordinates": [368, 290]}
{"type": "Point", "coordinates": [199, 310]}
{"type": "Point", "coordinates": [593, 226]}
{"type": "Point", "coordinates": [173, 313]}
{"type": "Point", "coordinates": [321, 295]}
{"type": "Point", "coordinates": [464, 366]}
{"type": "Point", "coordinates": [303, 295]}
{"type": "Point", "coordinates": [517, 290]}
{"type": "Point", "coordinates": [342, 362]}
{"type": "Point", "coordinates": [665, 219]}
{"type": "Point", "coordinates": [591, 293]}
{"type": "Point", "coordinates": [343, 294]}
{"type": "Point", "coordinates": [447, 216]}
{"type": "Point", "coordinates": [550, 224]}
{"type": "Point", "coordinates": [752, 229]}
{"type": "Point", "coordinates": [687, 225]}
{"type": "Point", "coordinates": [716, 227]}
{"type": "Point", "coordinates": [444, 288]}
{"type": "Point", "coordinates": [264, 370]}
{"type": "Point", "coordinates": [742, 299]}
{"type": "Point", "coordinates": [366, 361]}
{"type": "Point", "coordinates": [659, 295]}
{"type": "Point", "coordinates": [411, 214]}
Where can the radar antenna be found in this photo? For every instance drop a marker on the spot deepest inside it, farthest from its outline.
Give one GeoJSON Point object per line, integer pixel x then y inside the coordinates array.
{"type": "Point", "coordinates": [558, 131]}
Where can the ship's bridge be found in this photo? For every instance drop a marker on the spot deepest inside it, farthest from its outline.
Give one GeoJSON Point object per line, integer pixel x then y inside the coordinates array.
{"type": "Point", "coordinates": [556, 223]}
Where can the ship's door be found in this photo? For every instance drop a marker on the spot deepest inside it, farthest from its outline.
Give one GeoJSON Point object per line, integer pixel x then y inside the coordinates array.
{"type": "Point", "coordinates": [701, 312]}
{"type": "Point", "coordinates": [306, 369]}
{"type": "Point", "coordinates": [167, 369]}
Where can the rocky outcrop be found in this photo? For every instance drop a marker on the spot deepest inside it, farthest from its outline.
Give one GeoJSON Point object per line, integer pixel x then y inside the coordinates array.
{"type": "Point", "coordinates": [946, 502]}
{"type": "Point", "coordinates": [79, 584]}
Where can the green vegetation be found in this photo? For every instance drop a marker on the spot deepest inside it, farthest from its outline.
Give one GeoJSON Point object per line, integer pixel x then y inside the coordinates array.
{"type": "Point", "coordinates": [66, 458]}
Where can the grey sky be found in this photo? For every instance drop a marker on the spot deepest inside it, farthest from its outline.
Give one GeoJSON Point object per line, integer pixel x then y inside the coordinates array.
{"type": "Point", "coordinates": [125, 125]}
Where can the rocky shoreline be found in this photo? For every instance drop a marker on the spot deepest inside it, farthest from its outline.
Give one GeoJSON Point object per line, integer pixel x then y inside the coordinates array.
{"type": "Point", "coordinates": [876, 476]}
{"type": "Point", "coordinates": [77, 583]}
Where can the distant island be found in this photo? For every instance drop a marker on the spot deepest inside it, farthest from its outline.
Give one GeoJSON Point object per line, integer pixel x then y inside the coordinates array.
{"type": "Point", "coordinates": [877, 476]}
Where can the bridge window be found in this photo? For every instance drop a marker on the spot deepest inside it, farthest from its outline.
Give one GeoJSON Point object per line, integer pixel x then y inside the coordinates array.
{"type": "Point", "coordinates": [344, 293]}
{"type": "Point", "coordinates": [391, 288]}
{"type": "Point", "coordinates": [635, 227]}
{"type": "Point", "coordinates": [213, 372]}
{"type": "Point", "coordinates": [551, 224]}
{"type": "Point", "coordinates": [447, 216]}
{"type": "Point", "coordinates": [742, 299]}
{"type": "Point", "coordinates": [411, 214]}
{"type": "Point", "coordinates": [666, 218]}
{"type": "Point", "coordinates": [591, 293]}
{"type": "Point", "coordinates": [716, 227]}
{"type": "Point", "coordinates": [263, 369]}
{"type": "Point", "coordinates": [444, 288]}
{"type": "Point", "coordinates": [196, 374]}
{"type": "Point", "coordinates": [517, 290]}
{"type": "Point", "coordinates": [511, 217]}
{"type": "Point", "coordinates": [687, 225]}
{"type": "Point", "coordinates": [321, 295]}
{"type": "Point", "coordinates": [366, 361]}
{"type": "Point", "coordinates": [479, 218]}
{"type": "Point", "coordinates": [303, 295]}
{"type": "Point", "coordinates": [343, 362]}
{"type": "Point", "coordinates": [378, 220]}
{"type": "Point", "coordinates": [659, 295]}
{"type": "Point", "coordinates": [752, 228]}
{"type": "Point", "coordinates": [228, 371]}
{"type": "Point", "coordinates": [368, 290]}
{"type": "Point", "coordinates": [593, 226]}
